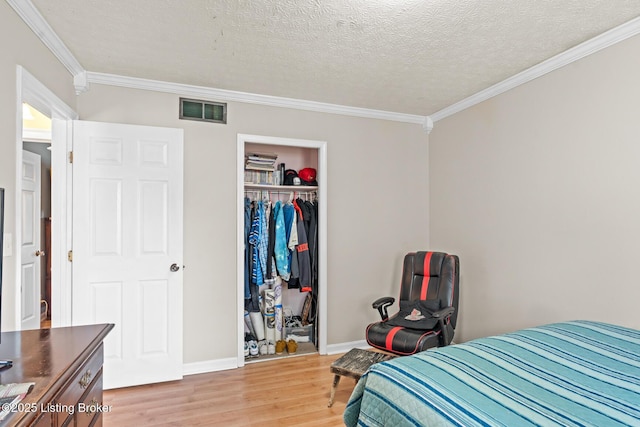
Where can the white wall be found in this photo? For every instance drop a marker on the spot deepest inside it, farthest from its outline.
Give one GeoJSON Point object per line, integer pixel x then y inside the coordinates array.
{"type": "Point", "coordinates": [377, 207]}
{"type": "Point", "coordinates": [378, 193]}
{"type": "Point", "coordinates": [538, 191]}
{"type": "Point", "coordinates": [19, 46]}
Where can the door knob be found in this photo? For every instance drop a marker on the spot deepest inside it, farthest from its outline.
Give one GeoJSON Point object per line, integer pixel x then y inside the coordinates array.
{"type": "Point", "coordinates": [39, 253]}
{"type": "Point", "coordinates": [174, 267]}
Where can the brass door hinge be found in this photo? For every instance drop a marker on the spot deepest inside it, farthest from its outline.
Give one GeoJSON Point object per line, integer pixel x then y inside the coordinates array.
{"type": "Point", "coordinates": [70, 256]}
{"type": "Point", "coordinates": [70, 156]}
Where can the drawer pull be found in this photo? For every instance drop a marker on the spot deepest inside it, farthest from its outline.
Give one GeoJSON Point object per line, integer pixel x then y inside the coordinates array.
{"type": "Point", "coordinates": [86, 379]}
{"type": "Point", "coordinates": [93, 407]}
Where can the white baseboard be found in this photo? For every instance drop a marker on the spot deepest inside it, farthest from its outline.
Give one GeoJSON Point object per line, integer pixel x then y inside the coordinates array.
{"type": "Point", "coordinates": [346, 346]}
{"type": "Point", "coordinates": [232, 362]}
{"type": "Point", "coordinates": [209, 366]}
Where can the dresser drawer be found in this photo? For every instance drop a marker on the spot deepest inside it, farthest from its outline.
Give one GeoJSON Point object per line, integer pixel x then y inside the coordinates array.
{"type": "Point", "coordinates": [79, 384]}
{"type": "Point", "coordinates": [90, 408]}
{"type": "Point", "coordinates": [43, 420]}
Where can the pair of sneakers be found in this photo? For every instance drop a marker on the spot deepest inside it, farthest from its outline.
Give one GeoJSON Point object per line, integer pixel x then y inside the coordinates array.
{"type": "Point", "coordinates": [251, 348]}
{"type": "Point", "coordinates": [267, 347]}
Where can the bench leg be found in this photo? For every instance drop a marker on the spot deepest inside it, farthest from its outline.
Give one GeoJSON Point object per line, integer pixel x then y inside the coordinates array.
{"type": "Point", "coordinates": [336, 380]}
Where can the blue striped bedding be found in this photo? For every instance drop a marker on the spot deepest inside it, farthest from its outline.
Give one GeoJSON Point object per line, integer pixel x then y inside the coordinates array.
{"type": "Point", "coordinates": [577, 373]}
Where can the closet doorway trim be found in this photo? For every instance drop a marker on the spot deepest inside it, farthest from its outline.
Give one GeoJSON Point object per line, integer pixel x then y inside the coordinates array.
{"type": "Point", "coordinates": [321, 146]}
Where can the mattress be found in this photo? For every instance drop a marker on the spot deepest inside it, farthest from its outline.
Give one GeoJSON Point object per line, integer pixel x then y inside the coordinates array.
{"type": "Point", "coordinates": [578, 373]}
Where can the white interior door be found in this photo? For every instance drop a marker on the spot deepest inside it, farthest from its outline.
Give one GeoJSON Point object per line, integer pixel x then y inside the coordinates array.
{"type": "Point", "coordinates": [30, 245]}
{"type": "Point", "coordinates": [127, 246]}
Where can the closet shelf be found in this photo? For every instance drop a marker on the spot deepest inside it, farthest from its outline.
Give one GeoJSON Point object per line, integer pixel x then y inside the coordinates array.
{"type": "Point", "coordinates": [280, 187]}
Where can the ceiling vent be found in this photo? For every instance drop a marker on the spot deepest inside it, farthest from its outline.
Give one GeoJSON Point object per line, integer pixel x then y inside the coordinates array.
{"type": "Point", "coordinates": [204, 111]}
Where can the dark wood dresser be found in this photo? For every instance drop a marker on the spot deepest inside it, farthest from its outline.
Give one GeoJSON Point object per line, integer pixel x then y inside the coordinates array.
{"type": "Point", "coordinates": [66, 366]}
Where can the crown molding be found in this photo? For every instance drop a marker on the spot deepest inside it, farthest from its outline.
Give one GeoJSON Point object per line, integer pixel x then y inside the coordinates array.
{"type": "Point", "coordinates": [34, 20]}
{"type": "Point", "coordinates": [249, 98]}
{"type": "Point", "coordinates": [602, 41]}
{"type": "Point", "coordinates": [80, 82]}
{"type": "Point", "coordinates": [427, 125]}
{"type": "Point", "coordinates": [81, 78]}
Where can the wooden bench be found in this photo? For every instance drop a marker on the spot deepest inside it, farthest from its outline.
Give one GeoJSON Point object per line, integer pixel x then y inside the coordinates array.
{"type": "Point", "coordinates": [354, 364]}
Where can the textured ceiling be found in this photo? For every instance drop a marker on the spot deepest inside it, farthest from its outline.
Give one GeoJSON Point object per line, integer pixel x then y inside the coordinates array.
{"type": "Point", "coordinates": [407, 56]}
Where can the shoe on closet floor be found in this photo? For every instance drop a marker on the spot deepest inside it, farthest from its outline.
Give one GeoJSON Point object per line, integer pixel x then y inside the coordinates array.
{"type": "Point", "coordinates": [271, 347]}
{"type": "Point", "coordinates": [264, 349]}
{"type": "Point", "coordinates": [280, 346]}
{"type": "Point", "coordinates": [253, 348]}
{"type": "Point", "coordinates": [292, 346]}
{"type": "Point", "coordinates": [246, 349]}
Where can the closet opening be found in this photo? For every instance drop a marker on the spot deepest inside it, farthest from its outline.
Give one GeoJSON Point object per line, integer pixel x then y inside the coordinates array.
{"type": "Point", "coordinates": [281, 248]}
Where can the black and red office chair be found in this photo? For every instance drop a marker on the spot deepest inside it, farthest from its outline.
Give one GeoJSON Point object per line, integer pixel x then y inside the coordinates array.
{"type": "Point", "coordinates": [428, 306]}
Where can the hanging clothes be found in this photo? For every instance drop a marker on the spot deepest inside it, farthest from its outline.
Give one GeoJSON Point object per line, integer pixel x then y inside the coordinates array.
{"type": "Point", "coordinates": [291, 224]}
{"type": "Point", "coordinates": [281, 240]}
{"type": "Point", "coordinates": [288, 215]}
{"type": "Point", "coordinates": [302, 249]}
{"type": "Point", "coordinates": [281, 250]}
{"type": "Point", "coordinates": [312, 236]}
{"type": "Point", "coordinates": [253, 304]}
{"type": "Point", "coordinates": [247, 248]}
{"type": "Point", "coordinates": [310, 213]}
{"type": "Point", "coordinates": [255, 239]}
{"type": "Point", "coordinates": [263, 242]}
{"type": "Point", "coordinates": [271, 273]}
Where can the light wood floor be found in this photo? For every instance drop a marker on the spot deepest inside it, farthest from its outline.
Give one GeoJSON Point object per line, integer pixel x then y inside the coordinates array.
{"type": "Point", "coordinates": [287, 392]}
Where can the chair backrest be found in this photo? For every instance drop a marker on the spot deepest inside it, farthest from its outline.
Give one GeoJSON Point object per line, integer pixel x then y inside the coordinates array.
{"type": "Point", "coordinates": [431, 276]}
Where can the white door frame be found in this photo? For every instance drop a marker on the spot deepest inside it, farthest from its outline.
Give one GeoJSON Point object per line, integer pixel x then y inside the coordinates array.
{"type": "Point", "coordinates": [321, 146]}
{"type": "Point", "coordinates": [33, 92]}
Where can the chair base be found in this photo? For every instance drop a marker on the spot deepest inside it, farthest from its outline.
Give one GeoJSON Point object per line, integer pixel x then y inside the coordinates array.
{"type": "Point", "coordinates": [399, 340]}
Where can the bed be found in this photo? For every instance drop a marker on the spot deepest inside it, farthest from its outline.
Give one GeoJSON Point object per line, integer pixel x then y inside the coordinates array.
{"type": "Point", "coordinates": [578, 373]}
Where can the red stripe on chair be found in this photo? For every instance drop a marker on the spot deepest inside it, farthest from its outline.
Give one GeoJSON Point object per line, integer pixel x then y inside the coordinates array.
{"type": "Point", "coordinates": [427, 264]}
{"type": "Point", "coordinates": [427, 276]}
{"type": "Point", "coordinates": [425, 288]}
{"type": "Point", "coordinates": [392, 333]}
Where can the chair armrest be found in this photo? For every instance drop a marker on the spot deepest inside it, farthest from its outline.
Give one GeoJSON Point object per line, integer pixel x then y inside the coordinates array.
{"type": "Point", "coordinates": [443, 318]}
{"type": "Point", "coordinates": [443, 313]}
{"type": "Point", "coordinates": [381, 305]}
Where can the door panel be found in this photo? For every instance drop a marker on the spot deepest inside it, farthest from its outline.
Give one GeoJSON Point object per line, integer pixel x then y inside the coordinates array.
{"type": "Point", "coordinates": [30, 245]}
{"type": "Point", "coordinates": [107, 300]}
{"type": "Point", "coordinates": [127, 232]}
{"type": "Point", "coordinates": [153, 340]}
{"type": "Point", "coordinates": [106, 210]}
{"type": "Point", "coordinates": [153, 220]}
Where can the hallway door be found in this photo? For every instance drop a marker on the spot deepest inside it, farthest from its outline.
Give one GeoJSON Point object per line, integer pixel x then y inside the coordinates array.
{"type": "Point", "coordinates": [127, 246]}
{"type": "Point", "coordinates": [30, 246]}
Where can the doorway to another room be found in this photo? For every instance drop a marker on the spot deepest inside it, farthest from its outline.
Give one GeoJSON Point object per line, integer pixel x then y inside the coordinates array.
{"type": "Point", "coordinates": [152, 347]}
{"type": "Point", "coordinates": [55, 132]}
{"type": "Point", "coordinates": [36, 219]}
